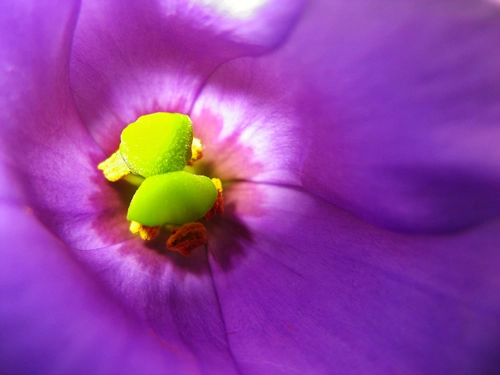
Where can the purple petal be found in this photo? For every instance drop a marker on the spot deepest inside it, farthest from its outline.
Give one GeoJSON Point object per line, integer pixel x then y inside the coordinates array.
{"type": "Point", "coordinates": [409, 101]}
{"type": "Point", "coordinates": [47, 157]}
{"type": "Point", "coordinates": [130, 57]}
{"type": "Point", "coordinates": [173, 294]}
{"type": "Point", "coordinates": [317, 290]}
{"type": "Point", "coordinates": [245, 126]}
{"type": "Point", "coordinates": [390, 111]}
{"type": "Point", "coordinates": [57, 320]}
{"type": "Point", "coordinates": [415, 97]}
{"type": "Point", "coordinates": [301, 286]}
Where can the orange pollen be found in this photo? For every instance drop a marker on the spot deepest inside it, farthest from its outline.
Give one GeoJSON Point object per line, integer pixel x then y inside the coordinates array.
{"type": "Point", "coordinates": [218, 207]}
{"type": "Point", "coordinates": [146, 233]}
{"type": "Point", "coordinates": [187, 238]}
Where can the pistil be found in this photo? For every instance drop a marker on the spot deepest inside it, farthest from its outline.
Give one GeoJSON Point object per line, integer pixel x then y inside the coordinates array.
{"type": "Point", "coordinates": [152, 154]}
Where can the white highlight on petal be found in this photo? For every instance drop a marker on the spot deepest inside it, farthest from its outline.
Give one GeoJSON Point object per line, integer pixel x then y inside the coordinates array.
{"type": "Point", "coordinates": [236, 8]}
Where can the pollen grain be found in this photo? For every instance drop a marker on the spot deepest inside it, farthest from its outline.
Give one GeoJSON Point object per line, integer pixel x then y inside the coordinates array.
{"type": "Point", "coordinates": [196, 151]}
{"type": "Point", "coordinates": [187, 238]}
{"type": "Point", "coordinates": [146, 233]}
{"type": "Point", "coordinates": [114, 168]}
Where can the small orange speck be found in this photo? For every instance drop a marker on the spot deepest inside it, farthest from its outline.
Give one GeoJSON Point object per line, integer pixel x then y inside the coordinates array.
{"type": "Point", "coordinates": [146, 233]}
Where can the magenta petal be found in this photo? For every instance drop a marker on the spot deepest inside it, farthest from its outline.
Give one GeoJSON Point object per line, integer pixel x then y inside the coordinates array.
{"type": "Point", "coordinates": [136, 57]}
{"type": "Point", "coordinates": [318, 291]}
{"type": "Point", "coordinates": [56, 320]}
{"type": "Point", "coordinates": [390, 111]}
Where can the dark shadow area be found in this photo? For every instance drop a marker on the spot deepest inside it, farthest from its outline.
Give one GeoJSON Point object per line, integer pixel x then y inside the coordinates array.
{"type": "Point", "coordinates": [227, 238]}
{"type": "Point", "coordinates": [229, 235]}
{"type": "Point", "coordinates": [434, 199]}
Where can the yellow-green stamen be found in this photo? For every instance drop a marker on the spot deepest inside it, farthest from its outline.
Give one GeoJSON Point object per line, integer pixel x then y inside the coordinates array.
{"type": "Point", "coordinates": [152, 154]}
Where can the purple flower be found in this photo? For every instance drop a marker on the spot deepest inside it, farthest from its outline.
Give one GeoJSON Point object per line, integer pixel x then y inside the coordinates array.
{"type": "Point", "coordinates": [361, 233]}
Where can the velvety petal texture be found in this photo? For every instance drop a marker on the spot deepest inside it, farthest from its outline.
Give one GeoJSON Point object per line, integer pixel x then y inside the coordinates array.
{"type": "Point", "coordinates": [131, 58]}
{"type": "Point", "coordinates": [55, 318]}
{"type": "Point", "coordinates": [172, 294]}
{"type": "Point", "coordinates": [412, 106]}
{"type": "Point", "coordinates": [319, 118]}
{"type": "Point", "coordinates": [389, 110]}
{"type": "Point", "coordinates": [316, 290]}
{"type": "Point", "coordinates": [48, 156]}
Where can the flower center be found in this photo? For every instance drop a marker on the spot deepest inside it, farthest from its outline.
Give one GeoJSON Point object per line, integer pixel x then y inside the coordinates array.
{"type": "Point", "coordinates": [153, 153]}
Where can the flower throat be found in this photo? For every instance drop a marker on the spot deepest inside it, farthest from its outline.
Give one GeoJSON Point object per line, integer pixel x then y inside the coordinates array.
{"type": "Point", "coordinates": [153, 153]}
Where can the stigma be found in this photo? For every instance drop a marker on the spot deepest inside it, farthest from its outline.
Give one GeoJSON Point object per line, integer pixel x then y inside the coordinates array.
{"type": "Point", "coordinates": [154, 150]}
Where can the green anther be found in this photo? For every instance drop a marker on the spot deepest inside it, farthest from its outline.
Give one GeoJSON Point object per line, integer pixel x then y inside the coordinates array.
{"type": "Point", "coordinates": [172, 198]}
{"type": "Point", "coordinates": [157, 143]}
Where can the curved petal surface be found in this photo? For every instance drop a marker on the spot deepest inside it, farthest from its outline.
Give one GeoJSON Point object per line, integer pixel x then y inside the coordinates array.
{"type": "Point", "coordinates": [48, 158]}
{"type": "Point", "coordinates": [388, 110]}
{"type": "Point", "coordinates": [57, 320]}
{"type": "Point", "coordinates": [295, 268]}
{"type": "Point", "coordinates": [317, 290]}
{"type": "Point", "coordinates": [136, 57]}
{"type": "Point", "coordinates": [173, 294]}
{"type": "Point", "coordinates": [412, 98]}
{"type": "Point", "coordinates": [249, 129]}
